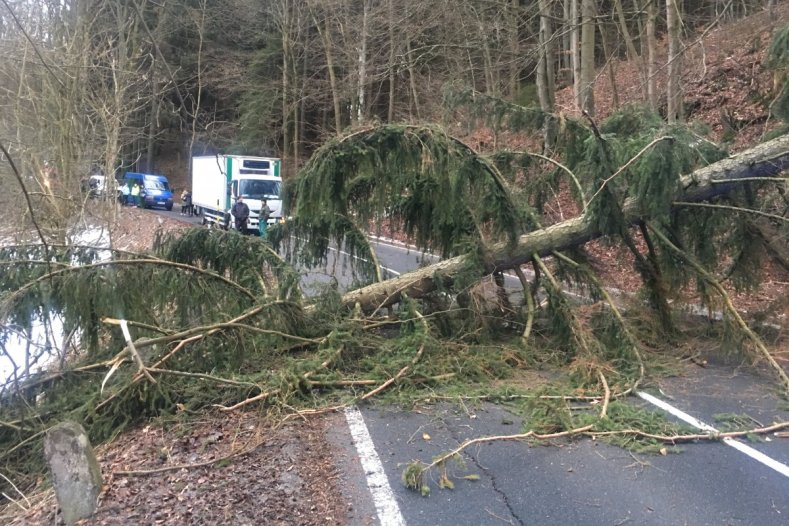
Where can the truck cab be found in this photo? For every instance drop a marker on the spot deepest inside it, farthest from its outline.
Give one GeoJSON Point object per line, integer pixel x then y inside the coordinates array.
{"type": "Point", "coordinates": [217, 181]}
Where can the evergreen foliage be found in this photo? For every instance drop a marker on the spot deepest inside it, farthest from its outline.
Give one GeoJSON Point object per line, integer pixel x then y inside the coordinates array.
{"type": "Point", "coordinates": [416, 177]}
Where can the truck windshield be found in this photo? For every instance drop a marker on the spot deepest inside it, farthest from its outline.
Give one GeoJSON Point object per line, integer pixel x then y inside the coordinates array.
{"type": "Point", "coordinates": [256, 189]}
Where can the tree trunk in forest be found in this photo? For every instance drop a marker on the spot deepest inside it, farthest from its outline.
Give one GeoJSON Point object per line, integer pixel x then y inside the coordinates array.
{"type": "Point", "coordinates": [514, 69]}
{"type": "Point", "coordinates": [575, 52]}
{"type": "Point", "coordinates": [545, 74]}
{"type": "Point", "coordinates": [362, 61]}
{"type": "Point", "coordinates": [566, 54]}
{"type": "Point", "coordinates": [392, 71]}
{"type": "Point", "coordinates": [764, 160]}
{"type": "Point", "coordinates": [674, 89]}
{"type": "Point", "coordinates": [301, 107]}
{"type": "Point", "coordinates": [610, 59]}
{"type": "Point", "coordinates": [412, 79]}
{"type": "Point", "coordinates": [545, 81]}
{"type": "Point", "coordinates": [153, 127]}
{"type": "Point", "coordinates": [285, 80]}
{"type": "Point", "coordinates": [651, 53]}
{"type": "Point", "coordinates": [327, 49]}
{"type": "Point", "coordinates": [632, 54]}
{"type": "Point", "coordinates": [490, 81]}
{"type": "Point", "coordinates": [588, 31]}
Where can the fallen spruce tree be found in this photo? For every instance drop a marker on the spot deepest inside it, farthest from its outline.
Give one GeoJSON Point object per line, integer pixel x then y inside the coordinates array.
{"type": "Point", "coordinates": [763, 161]}
{"type": "Point", "coordinates": [215, 319]}
{"type": "Point", "coordinates": [719, 179]}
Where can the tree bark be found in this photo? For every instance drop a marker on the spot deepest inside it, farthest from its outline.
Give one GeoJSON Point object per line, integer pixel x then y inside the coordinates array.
{"type": "Point", "coordinates": [545, 73]}
{"type": "Point", "coordinates": [153, 126]}
{"type": "Point", "coordinates": [631, 48]}
{"type": "Point", "coordinates": [285, 79]}
{"type": "Point", "coordinates": [514, 68]}
{"type": "Point", "coordinates": [545, 65]}
{"type": "Point", "coordinates": [325, 34]}
{"type": "Point", "coordinates": [764, 160]}
{"type": "Point", "coordinates": [392, 67]}
{"type": "Point", "coordinates": [412, 79]}
{"type": "Point", "coordinates": [651, 54]}
{"type": "Point", "coordinates": [575, 52]}
{"type": "Point", "coordinates": [588, 30]}
{"type": "Point", "coordinates": [611, 60]}
{"type": "Point", "coordinates": [674, 89]}
{"type": "Point", "coordinates": [362, 63]}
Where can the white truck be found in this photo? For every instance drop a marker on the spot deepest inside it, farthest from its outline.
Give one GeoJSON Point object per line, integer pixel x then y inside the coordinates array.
{"type": "Point", "coordinates": [217, 180]}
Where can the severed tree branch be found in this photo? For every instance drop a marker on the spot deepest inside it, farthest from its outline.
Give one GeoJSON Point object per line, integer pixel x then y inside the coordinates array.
{"type": "Point", "coordinates": [738, 209]}
{"type": "Point", "coordinates": [133, 350]}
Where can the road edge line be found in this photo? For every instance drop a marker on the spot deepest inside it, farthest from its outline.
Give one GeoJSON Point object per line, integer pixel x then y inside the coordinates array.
{"type": "Point", "coordinates": [383, 496]}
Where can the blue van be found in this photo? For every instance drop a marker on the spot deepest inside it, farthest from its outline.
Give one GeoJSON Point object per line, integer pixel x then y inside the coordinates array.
{"type": "Point", "coordinates": [154, 189]}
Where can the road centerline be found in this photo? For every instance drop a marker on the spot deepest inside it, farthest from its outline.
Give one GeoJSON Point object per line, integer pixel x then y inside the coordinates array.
{"type": "Point", "coordinates": [757, 455]}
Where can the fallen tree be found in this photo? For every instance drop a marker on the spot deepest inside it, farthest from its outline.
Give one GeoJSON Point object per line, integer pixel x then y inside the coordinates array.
{"type": "Point", "coordinates": [765, 160]}
{"type": "Point", "coordinates": [216, 319]}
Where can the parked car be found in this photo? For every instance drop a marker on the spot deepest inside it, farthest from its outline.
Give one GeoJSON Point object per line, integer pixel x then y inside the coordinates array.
{"type": "Point", "coordinates": [154, 190]}
{"type": "Point", "coordinates": [95, 186]}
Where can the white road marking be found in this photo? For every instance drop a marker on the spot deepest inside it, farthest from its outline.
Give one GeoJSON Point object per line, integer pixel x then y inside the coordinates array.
{"type": "Point", "coordinates": [393, 271]}
{"type": "Point", "coordinates": [393, 243]}
{"type": "Point", "coordinates": [781, 468]}
{"type": "Point", "coordinates": [383, 497]}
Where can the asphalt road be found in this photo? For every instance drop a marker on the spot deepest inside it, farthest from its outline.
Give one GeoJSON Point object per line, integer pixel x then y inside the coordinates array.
{"type": "Point", "coordinates": [581, 482]}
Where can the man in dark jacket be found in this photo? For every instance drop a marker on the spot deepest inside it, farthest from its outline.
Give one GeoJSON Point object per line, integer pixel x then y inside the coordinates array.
{"type": "Point", "coordinates": [240, 212]}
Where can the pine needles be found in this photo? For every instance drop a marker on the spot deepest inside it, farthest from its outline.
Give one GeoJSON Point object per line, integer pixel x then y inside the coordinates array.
{"type": "Point", "coordinates": [412, 177]}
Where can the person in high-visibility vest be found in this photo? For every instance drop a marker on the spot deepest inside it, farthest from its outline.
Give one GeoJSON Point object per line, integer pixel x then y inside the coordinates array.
{"type": "Point", "coordinates": [265, 213]}
{"type": "Point", "coordinates": [135, 192]}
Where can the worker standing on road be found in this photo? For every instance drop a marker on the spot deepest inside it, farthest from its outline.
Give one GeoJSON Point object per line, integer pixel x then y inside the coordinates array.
{"type": "Point", "coordinates": [265, 214]}
{"type": "Point", "coordinates": [135, 193]}
{"type": "Point", "coordinates": [186, 203]}
{"type": "Point", "coordinates": [240, 212]}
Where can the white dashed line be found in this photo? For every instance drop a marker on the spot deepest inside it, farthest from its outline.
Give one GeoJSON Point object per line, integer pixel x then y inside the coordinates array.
{"type": "Point", "coordinates": [383, 497]}
{"type": "Point", "coordinates": [781, 468]}
{"type": "Point", "coordinates": [344, 253]}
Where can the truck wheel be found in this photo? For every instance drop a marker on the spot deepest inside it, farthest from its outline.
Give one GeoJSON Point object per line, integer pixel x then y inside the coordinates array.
{"type": "Point", "coordinates": [169, 206]}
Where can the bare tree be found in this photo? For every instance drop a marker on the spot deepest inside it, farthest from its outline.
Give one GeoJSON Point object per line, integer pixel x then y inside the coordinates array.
{"type": "Point", "coordinates": [70, 119]}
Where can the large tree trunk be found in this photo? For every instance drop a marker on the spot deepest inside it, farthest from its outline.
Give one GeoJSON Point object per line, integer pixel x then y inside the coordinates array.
{"type": "Point", "coordinates": [632, 54]}
{"type": "Point", "coordinates": [545, 74]}
{"type": "Point", "coordinates": [392, 67]}
{"type": "Point", "coordinates": [674, 111]}
{"type": "Point", "coordinates": [765, 160]}
{"type": "Point", "coordinates": [514, 68]}
{"type": "Point", "coordinates": [325, 34]}
{"type": "Point", "coordinates": [575, 53]}
{"type": "Point", "coordinates": [651, 53]}
{"type": "Point", "coordinates": [588, 29]}
{"type": "Point", "coordinates": [362, 64]}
